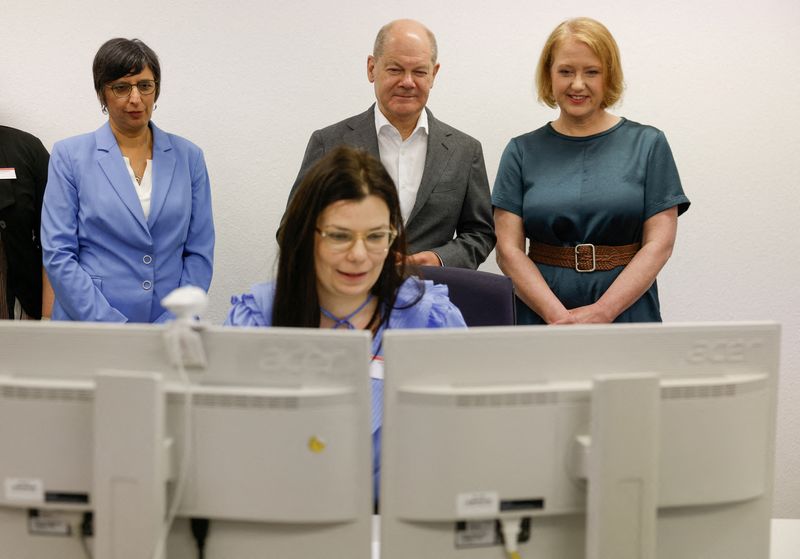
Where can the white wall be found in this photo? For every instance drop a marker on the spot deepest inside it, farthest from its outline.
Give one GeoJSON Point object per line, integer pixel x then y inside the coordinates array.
{"type": "Point", "coordinates": [249, 81]}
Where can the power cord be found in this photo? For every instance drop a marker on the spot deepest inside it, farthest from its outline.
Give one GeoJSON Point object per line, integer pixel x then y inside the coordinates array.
{"type": "Point", "coordinates": [86, 531]}
{"type": "Point", "coordinates": [188, 435]}
{"type": "Point", "coordinates": [200, 528]}
{"type": "Point", "coordinates": [510, 528]}
{"type": "Point", "coordinates": [185, 347]}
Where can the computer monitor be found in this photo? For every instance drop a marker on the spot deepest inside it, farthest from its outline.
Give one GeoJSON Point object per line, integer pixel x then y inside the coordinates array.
{"type": "Point", "coordinates": [618, 441]}
{"type": "Point", "coordinates": [280, 452]}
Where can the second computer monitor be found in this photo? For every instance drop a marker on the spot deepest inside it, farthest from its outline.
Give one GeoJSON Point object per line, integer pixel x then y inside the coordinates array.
{"type": "Point", "coordinates": [641, 441]}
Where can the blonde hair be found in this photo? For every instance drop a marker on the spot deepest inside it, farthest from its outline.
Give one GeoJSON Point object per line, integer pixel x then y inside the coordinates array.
{"type": "Point", "coordinates": [597, 37]}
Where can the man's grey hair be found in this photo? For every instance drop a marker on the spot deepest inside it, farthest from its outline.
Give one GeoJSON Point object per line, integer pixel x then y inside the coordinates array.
{"type": "Point", "coordinates": [383, 35]}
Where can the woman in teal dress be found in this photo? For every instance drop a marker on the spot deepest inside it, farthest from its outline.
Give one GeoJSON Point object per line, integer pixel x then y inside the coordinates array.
{"type": "Point", "coordinates": [598, 196]}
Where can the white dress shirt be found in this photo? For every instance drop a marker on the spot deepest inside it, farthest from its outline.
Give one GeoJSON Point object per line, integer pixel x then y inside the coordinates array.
{"type": "Point", "coordinates": [403, 160]}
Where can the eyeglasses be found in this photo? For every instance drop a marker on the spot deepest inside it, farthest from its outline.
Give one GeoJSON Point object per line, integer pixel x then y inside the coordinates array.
{"type": "Point", "coordinates": [341, 240]}
{"type": "Point", "coordinates": [122, 89]}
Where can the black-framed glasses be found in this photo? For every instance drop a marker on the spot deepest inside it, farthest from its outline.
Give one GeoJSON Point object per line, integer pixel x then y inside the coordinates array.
{"type": "Point", "coordinates": [122, 89]}
{"type": "Point", "coordinates": [342, 240]}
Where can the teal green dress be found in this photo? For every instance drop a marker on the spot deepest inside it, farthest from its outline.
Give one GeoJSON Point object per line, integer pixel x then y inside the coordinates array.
{"type": "Point", "coordinates": [596, 189]}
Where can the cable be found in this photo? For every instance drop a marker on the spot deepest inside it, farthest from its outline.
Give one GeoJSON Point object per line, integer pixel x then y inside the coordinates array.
{"type": "Point", "coordinates": [200, 532]}
{"type": "Point", "coordinates": [188, 435]}
{"type": "Point", "coordinates": [510, 528]}
{"type": "Point", "coordinates": [86, 531]}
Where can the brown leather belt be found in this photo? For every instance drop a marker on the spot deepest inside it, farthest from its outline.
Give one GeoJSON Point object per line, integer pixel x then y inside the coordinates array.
{"type": "Point", "coordinates": [584, 257]}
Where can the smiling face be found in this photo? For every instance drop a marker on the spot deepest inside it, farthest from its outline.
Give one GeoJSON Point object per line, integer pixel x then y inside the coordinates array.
{"type": "Point", "coordinates": [403, 74]}
{"type": "Point", "coordinates": [348, 276]}
{"type": "Point", "coordinates": [578, 83]}
{"type": "Point", "coordinates": [130, 115]}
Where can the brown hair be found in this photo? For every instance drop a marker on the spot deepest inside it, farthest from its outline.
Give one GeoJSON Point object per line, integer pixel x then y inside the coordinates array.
{"type": "Point", "coordinates": [345, 173]}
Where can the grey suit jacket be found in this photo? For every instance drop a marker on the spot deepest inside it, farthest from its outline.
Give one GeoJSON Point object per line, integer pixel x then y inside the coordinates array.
{"type": "Point", "coordinates": [452, 215]}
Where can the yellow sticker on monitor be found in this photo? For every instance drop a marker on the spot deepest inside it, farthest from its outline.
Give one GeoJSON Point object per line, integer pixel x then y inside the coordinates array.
{"type": "Point", "coordinates": [316, 445]}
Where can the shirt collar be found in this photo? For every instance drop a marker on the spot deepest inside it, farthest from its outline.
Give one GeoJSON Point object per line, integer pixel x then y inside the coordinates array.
{"type": "Point", "coordinates": [381, 121]}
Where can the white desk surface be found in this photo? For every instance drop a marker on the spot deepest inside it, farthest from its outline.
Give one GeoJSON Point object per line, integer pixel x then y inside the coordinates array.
{"type": "Point", "coordinates": [785, 538]}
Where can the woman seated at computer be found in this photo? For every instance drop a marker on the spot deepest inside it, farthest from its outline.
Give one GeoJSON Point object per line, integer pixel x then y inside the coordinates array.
{"type": "Point", "coordinates": [340, 264]}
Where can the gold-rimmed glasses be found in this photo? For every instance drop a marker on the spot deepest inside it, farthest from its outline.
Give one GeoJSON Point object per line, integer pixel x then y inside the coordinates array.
{"type": "Point", "coordinates": [342, 240]}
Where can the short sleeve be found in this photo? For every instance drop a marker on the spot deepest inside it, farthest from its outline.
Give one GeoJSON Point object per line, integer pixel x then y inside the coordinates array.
{"type": "Point", "coordinates": [507, 193]}
{"type": "Point", "coordinates": [252, 309]}
{"type": "Point", "coordinates": [663, 189]}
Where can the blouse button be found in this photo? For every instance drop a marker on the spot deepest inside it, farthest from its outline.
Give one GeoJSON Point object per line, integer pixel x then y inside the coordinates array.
{"type": "Point", "coordinates": [147, 259]}
{"type": "Point", "coordinates": [147, 284]}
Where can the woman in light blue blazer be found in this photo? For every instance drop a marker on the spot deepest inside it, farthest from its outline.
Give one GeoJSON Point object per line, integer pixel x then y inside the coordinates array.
{"type": "Point", "coordinates": [127, 208]}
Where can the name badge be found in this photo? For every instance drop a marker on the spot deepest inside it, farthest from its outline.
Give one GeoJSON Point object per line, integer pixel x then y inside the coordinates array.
{"type": "Point", "coordinates": [376, 368]}
{"type": "Point", "coordinates": [7, 173]}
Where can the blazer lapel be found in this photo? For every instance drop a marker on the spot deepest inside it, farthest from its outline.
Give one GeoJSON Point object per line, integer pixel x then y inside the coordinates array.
{"type": "Point", "coordinates": [163, 169]}
{"type": "Point", "coordinates": [109, 157]}
{"type": "Point", "coordinates": [362, 132]}
{"type": "Point", "coordinates": [436, 158]}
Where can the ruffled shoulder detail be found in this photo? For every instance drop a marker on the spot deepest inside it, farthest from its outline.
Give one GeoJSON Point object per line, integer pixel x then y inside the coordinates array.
{"type": "Point", "coordinates": [423, 304]}
{"type": "Point", "coordinates": [411, 291]}
{"type": "Point", "coordinates": [443, 313]}
{"type": "Point", "coordinates": [254, 308]}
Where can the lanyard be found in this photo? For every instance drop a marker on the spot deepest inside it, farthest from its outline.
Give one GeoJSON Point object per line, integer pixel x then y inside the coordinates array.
{"type": "Point", "coordinates": [345, 320]}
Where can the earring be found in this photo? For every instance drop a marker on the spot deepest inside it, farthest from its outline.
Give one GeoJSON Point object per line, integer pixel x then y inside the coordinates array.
{"type": "Point", "coordinates": [155, 106]}
{"type": "Point", "coordinates": [104, 110]}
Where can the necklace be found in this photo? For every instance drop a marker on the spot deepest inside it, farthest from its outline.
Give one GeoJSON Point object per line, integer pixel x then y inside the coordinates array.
{"type": "Point", "coordinates": [345, 320]}
{"type": "Point", "coordinates": [128, 152]}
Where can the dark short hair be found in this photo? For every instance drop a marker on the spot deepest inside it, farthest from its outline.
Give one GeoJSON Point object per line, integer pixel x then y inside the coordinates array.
{"type": "Point", "coordinates": [345, 173]}
{"type": "Point", "coordinates": [118, 58]}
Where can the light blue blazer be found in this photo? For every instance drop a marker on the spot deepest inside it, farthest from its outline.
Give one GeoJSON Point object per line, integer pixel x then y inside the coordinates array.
{"type": "Point", "coordinates": [105, 261]}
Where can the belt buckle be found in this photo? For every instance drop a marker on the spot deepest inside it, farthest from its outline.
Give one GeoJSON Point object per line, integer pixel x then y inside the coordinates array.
{"type": "Point", "coordinates": [594, 260]}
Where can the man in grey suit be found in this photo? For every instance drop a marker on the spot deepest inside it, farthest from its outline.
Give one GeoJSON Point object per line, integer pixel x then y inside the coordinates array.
{"type": "Point", "coordinates": [439, 172]}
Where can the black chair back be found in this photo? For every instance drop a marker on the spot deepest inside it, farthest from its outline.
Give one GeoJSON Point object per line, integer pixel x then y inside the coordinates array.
{"type": "Point", "coordinates": [484, 298]}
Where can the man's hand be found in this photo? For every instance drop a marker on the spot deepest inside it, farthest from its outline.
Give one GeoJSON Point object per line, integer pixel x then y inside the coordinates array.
{"type": "Point", "coordinates": [425, 258]}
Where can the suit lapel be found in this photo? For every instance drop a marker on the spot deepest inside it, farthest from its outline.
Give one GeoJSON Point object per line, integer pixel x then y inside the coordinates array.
{"type": "Point", "coordinates": [163, 169]}
{"type": "Point", "coordinates": [436, 158]}
{"type": "Point", "coordinates": [109, 157]}
{"type": "Point", "coordinates": [362, 132]}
